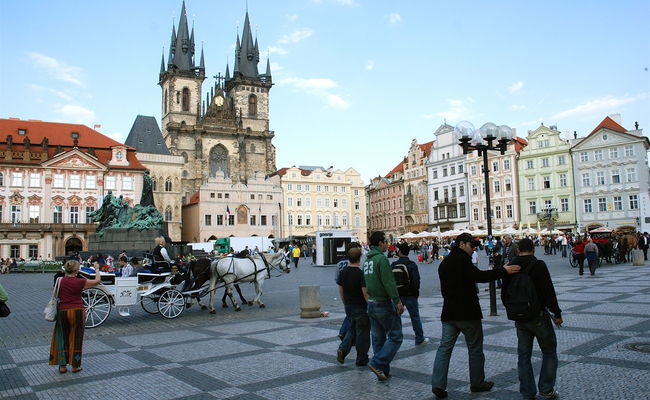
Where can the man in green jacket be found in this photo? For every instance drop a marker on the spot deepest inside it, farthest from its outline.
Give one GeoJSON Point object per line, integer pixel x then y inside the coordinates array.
{"type": "Point", "coordinates": [384, 307]}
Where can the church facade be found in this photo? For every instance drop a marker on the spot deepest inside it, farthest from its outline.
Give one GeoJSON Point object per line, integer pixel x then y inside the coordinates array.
{"type": "Point", "coordinates": [224, 139]}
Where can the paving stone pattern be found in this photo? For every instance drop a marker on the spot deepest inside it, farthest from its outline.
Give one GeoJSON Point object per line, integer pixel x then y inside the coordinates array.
{"type": "Point", "coordinates": [285, 357]}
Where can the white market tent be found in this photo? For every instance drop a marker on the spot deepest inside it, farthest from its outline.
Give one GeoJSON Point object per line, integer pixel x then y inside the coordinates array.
{"type": "Point", "coordinates": [408, 235]}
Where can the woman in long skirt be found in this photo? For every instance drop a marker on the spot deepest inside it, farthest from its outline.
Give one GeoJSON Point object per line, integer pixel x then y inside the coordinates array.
{"type": "Point", "coordinates": [67, 338]}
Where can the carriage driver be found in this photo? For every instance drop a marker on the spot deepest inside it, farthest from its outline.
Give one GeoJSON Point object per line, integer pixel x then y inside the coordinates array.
{"type": "Point", "coordinates": [160, 255]}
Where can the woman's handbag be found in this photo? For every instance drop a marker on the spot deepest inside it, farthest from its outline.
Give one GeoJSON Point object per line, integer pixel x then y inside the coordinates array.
{"type": "Point", "coordinates": [51, 307]}
{"type": "Point", "coordinates": [4, 309]}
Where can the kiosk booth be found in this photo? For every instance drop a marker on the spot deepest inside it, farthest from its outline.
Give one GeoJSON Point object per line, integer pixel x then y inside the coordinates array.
{"type": "Point", "coordinates": [330, 246]}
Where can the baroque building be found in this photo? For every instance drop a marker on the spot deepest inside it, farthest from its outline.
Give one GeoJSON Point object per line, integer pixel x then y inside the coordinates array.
{"type": "Point", "coordinates": [385, 199]}
{"type": "Point", "coordinates": [415, 186]}
{"type": "Point", "coordinates": [611, 178]}
{"type": "Point", "coordinates": [52, 176]}
{"type": "Point", "coordinates": [546, 195]}
{"type": "Point", "coordinates": [447, 182]}
{"type": "Point", "coordinates": [504, 187]}
{"type": "Point", "coordinates": [316, 199]}
{"type": "Point", "coordinates": [164, 168]}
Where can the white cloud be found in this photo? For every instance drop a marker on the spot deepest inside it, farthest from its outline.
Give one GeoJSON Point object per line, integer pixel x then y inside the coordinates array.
{"type": "Point", "coordinates": [41, 90]}
{"type": "Point", "coordinates": [455, 102]}
{"type": "Point", "coordinates": [320, 87]}
{"type": "Point", "coordinates": [58, 69]}
{"type": "Point", "coordinates": [393, 18]}
{"type": "Point", "coordinates": [276, 50]}
{"type": "Point", "coordinates": [456, 111]}
{"type": "Point", "coordinates": [370, 65]}
{"type": "Point", "coordinates": [77, 114]}
{"type": "Point", "coordinates": [276, 67]}
{"type": "Point", "coordinates": [515, 87]}
{"type": "Point", "coordinates": [518, 107]}
{"type": "Point", "coordinates": [296, 36]}
{"type": "Point", "coordinates": [599, 107]}
{"type": "Point", "coordinates": [117, 136]}
{"type": "Point", "coordinates": [292, 17]}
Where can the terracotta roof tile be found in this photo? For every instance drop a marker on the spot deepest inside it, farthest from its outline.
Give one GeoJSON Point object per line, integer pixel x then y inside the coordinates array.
{"type": "Point", "coordinates": [398, 168]}
{"type": "Point", "coordinates": [426, 147]}
{"type": "Point", "coordinates": [611, 125]}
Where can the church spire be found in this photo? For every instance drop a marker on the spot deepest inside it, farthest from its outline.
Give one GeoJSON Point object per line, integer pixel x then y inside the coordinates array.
{"type": "Point", "coordinates": [162, 63]}
{"type": "Point", "coordinates": [246, 53]}
{"type": "Point", "coordinates": [202, 63]}
{"type": "Point", "coordinates": [227, 73]}
{"type": "Point", "coordinates": [181, 51]}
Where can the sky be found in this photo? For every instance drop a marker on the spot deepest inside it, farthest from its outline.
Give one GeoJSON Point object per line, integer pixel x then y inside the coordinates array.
{"type": "Point", "coordinates": [354, 80]}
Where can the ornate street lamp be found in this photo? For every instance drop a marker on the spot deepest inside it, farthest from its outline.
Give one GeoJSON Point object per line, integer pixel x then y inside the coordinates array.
{"type": "Point", "coordinates": [488, 137]}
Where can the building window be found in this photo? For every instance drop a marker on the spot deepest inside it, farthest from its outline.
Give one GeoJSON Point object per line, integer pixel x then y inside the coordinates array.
{"type": "Point", "coordinates": [508, 185]}
{"type": "Point", "coordinates": [563, 180]}
{"type": "Point", "coordinates": [543, 143]}
{"type": "Point", "coordinates": [586, 179]}
{"type": "Point", "coordinates": [618, 203]}
{"type": "Point", "coordinates": [298, 201]}
{"type": "Point", "coordinates": [91, 182]}
{"type": "Point", "coordinates": [252, 105]}
{"type": "Point", "coordinates": [356, 205]}
{"type": "Point", "coordinates": [253, 220]}
{"type": "Point", "coordinates": [356, 191]}
{"type": "Point", "coordinates": [127, 183]}
{"type": "Point", "coordinates": [14, 251]}
{"type": "Point", "coordinates": [444, 171]}
{"type": "Point", "coordinates": [600, 178]}
{"type": "Point", "coordinates": [110, 182]}
{"type": "Point", "coordinates": [290, 201]}
{"type": "Point", "coordinates": [17, 179]}
{"type": "Point", "coordinates": [289, 219]}
{"type": "Point", "coordinates": [34, 214]}
{"type": "Point", "coordinates": [327, 188]}
{"type": "Point", "coordinates": [33, 251]}
{"type": "Point", "coordinates": [319, 220]}
{"type": "Point", "coordinates": [476, 216]}
{"type": "Point", "coordinates": [186, 99]}
{"type": "Point", "coordinates": [506, 165]}
{"type": "Point", "coordinates": [35, 180]}
{"type": "Point", "coordinates": [308, 219]}
{"type": "Point", "coordinates": [16, 214]}
{"type": "Point", "coordinates": [269, 197]}
{"type": "Point", "coordinates": [318, 188]}
{"type": "Point", "coordinates": [308, 202]}
{"type": "Point", "coordinates": [474, 190]}
{"type": "Point", "coordinates": [2, 179]}
{"type": "Point", "coordinates": [509, 211]}
{"type": "Point", "coordinates": [461, 190]}
{"type": "Point", "coordinates": [168, 214]}
{"type": "Point", "coordinates": [631, 174]}
{"type": "Point", "coordinates": [461, 210]}
{"type": "Point", "coordinates": [602, 204]}
{"type": "Point", "coordinates": [75, 181]}
{"type": "Point", "coordinates": [452, 170]}
{"type": "Point", "coordinates": [497, 186]}
{"type": "Point", "coordinates": [168, 185]}
{"type": "Point", "coordinates": [616, 176]}
{"type": "Point", "coordinates": [357, 221]}
{"type": "Point", "coordinates": [307, 187]}
{"type": "Point", "coordinates": [498, 212]}
{"type": "Point", "coordinates": [613, 153]}
{"type": "Point", "coordinates": [530, 164]}
{"type": "Point", "coordinates": [561, 160]}
{"type": "Point", "coordinates": [263, 220]}
{"type": "Point", "coordinates": [531, 183]}
{"type": "Point", "coordinates": [290, 186]}
{"type": "Point", "coordinates": [546, 181]}
{"type": "Point", "coordinates": [344, 203]}
{"type": "Point", "coordinates": [634, 202]}
{"type": "Point", "coordinates": [299, 220]}
{"type": "Point", "coordinates": [58, 181]}
{"type": "Point", "coordinates": [629, 151]}
{"type": "Point", "coordinates": [327, 203]}
{"type": "Point", "coordinates": [298, 187]}
{"type": "Point", "coordinates": [472, 170]}
{"type": "Point", "coordinates": [319, 202]}
{"type": "Point", "coordinates": [57, 214]}
{"type": "Point", "coordinates": [587, 205]}
{"type": "Point", "coordinates": [545, 162]}
{"type": "Point", "coordinates": [564, 205]}
{"type": "Point", "coordinates": [335, 188]}
{"type": "Point", "coordinates": [274, 220]}
{"type": "Point", "coordinates": [598, 155]}
{"type": "Point", "coordinates": [584, 156]}
{"type": "Point", "coordinates": [74, 214]}
{"type": "Point", "coordinates": [219, 219]}
{"type": "Point", "coordinates": [89, 210]}
{"type": "Point", "coordinates": [460, 168]}
{"type": "Point", "coordinates": [532, 207]}
{"type": "Point", "coordinates": [327, 220]}
{"type": "Point", "coordinates": [208, 220]}
{"type": "Point", "coordinates": [231, 220]}
{"type": "Point", "coordinates": [495, 166]}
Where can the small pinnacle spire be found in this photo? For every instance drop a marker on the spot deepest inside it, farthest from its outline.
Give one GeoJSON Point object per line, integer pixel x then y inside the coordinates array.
{"type": "Point", "coordinates": [202, 64]}
{"type": "Point", "coordinates": [227, 72]}
{"type": "Point", "coordinates": [162, 62]}
{"type": "Point", "coordinates": [268, 67]}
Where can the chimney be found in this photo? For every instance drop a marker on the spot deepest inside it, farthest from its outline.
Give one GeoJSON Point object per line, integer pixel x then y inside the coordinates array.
{"type": "Point", "coordinates": [97, 127]}
{"type": "Point", "coordinates": [617, 118]}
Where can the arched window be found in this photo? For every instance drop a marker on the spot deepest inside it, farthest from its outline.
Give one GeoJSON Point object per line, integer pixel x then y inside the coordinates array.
{"type": "Point", "coordinates": [184, 155]}
{"type": "Point", "coordinates": [165, 103]}
{"type": "Point", "coordinates": [168, 185]}
{"type": "Point", "coordinates": [219, 160]}
{"type": "Point", "coordinates": [154, 184]}
{"type": "Point", "coordinates": [186, 99]}
{"type": "Point", "coordinates": [168, 213]}
{"type": "Point", "coordinates": [252, 105]}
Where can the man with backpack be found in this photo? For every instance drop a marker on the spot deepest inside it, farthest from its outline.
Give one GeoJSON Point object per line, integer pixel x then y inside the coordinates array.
{"type": "Point", "coordinates": [407, 280]}
{"type": "Point", "coordinates": [528, 297]}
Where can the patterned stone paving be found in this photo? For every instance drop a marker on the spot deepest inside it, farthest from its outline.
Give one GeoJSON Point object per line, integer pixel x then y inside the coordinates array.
{"type": "Point", "coordinates": [285, 357]}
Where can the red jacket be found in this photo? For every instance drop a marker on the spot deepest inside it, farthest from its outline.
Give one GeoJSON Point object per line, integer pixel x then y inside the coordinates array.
{"type": "Point", "coordinates": [579, 248]}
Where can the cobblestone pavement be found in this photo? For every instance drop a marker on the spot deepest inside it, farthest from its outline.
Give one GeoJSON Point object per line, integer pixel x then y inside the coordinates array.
{"type": "Point", "coordinates": [273, 354]}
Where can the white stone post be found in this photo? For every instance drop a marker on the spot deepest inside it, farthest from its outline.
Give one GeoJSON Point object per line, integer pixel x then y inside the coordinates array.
{"type": "Point", "coordinates": [309, 301]}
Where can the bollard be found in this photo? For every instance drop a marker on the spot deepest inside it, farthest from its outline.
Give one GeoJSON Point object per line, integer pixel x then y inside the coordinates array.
{"type": "Point", "coordinates": [637, 258]}
{"type": "Point", "coordinates": [309, 301]}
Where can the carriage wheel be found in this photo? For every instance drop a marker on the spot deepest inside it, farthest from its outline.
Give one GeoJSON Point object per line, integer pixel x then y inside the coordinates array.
{"type": "Point", "coordinates": [97, 305]}
{"type": "Point", "coordinates": [573, 261]}
{"type": "Point", "coordinates": [171, 303]}
{"type": "Point", "coordinates": [150, 304]}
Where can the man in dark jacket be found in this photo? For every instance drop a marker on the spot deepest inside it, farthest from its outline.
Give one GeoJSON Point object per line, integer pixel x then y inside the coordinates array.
{"type": "Point", "coordinates": [461, 312]}
{"type": "Point", "coordinates": [539, 327]}
{"type": "Point", "coordinates": [409, 295]}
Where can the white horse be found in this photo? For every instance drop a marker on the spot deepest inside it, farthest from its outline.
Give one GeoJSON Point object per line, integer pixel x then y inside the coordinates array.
{"type": "Point", "coordinates": [231, 270]}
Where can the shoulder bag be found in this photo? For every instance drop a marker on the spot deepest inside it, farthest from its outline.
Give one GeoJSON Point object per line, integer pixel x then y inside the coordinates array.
{"type": "Point", "coordinates": [51, 307]}
{"type": "Point", "coordinates": [4, 309]}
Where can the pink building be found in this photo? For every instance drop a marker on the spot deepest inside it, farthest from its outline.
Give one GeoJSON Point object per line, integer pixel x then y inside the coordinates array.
{"type": "Point", "coordinates": [386, 203]}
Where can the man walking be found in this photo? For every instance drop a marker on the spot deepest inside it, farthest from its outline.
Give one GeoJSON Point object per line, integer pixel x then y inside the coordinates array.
{"type": "Point", "coordinates": [591, 254]}
{"type": "Point", "coordinates": [509, 249]}
{"type": "Point", "coordinates": [461, 312]}
{"type": "Point", "coordinates": [644, 243]}
{"type": "Point", "coordinates": [384, 307]}
{"type": "Point", "coordinates": [295, 252]}
{"type": "Point", "coordinates": [536, 327]}
{"type": "Point", "coordinates": [406, 271]}
{"type": "Point", "coordinates": [352, 290]}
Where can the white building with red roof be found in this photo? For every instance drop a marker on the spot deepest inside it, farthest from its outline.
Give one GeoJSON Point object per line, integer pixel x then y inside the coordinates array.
{"type": "Point", "coordinates": [52, 175]}
{"type": "Point", "coordinates": [610, 166]}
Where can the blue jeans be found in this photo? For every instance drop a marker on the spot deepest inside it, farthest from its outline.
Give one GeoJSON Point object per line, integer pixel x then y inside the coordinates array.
{"type": "Point", "coordinates": [386, 331]}
{"type": "Point", "coordinates": [542, 329]}
{"type": "Point", "coordinates": [345, 326]}
{"type": "Point", "coordinates": [473, 332]}
{"type": "Point", "coordinates": [358, 334]}
{"type": "Point", "coordinates": [411, 304]}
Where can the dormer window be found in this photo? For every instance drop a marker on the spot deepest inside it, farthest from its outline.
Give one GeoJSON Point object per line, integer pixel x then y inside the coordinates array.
{"type": "Point", "coordinates": [22, 131]}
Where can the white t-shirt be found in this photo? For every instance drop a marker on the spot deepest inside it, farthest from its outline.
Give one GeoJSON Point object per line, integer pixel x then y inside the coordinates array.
{"type": "Point", "coordinates": [475, 258]}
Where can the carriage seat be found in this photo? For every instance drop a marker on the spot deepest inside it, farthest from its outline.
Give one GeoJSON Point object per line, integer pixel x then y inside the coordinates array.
{"type": "Point", "coordinates": [107, 278]}
{"type": "Point", "coordinates": [150, 277]}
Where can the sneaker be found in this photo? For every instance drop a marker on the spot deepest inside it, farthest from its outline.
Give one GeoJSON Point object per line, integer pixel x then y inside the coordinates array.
{"type": "Point", "coordinates": [440, 393]}
{"type": "Point", "coordinates": [340, 357]}
{"type": "Point", "coordinates": [380, 374]}
{"type": "Point", "coordinates": [482, 387]}
{"type": "Point", "coordinates": [552, 395]}
{"type": "Point", "coordinates": [426, 340]}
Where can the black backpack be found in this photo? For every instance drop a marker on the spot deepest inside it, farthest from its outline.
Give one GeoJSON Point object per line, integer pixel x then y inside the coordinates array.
{"type": "Point", "coordinates": [520, 297]}
{"type": "Point", "coordinates": [402, 278]}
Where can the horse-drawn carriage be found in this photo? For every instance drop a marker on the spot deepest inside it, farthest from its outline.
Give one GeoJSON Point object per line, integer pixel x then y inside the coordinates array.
{"type": "Point", "coordinates": [609, 248]}
{"type": "Point", "coordinates": [167, 293]}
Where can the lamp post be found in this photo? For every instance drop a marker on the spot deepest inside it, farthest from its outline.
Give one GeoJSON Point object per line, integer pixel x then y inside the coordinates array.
{"type": "Point", "coordinates": [488, 137]}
